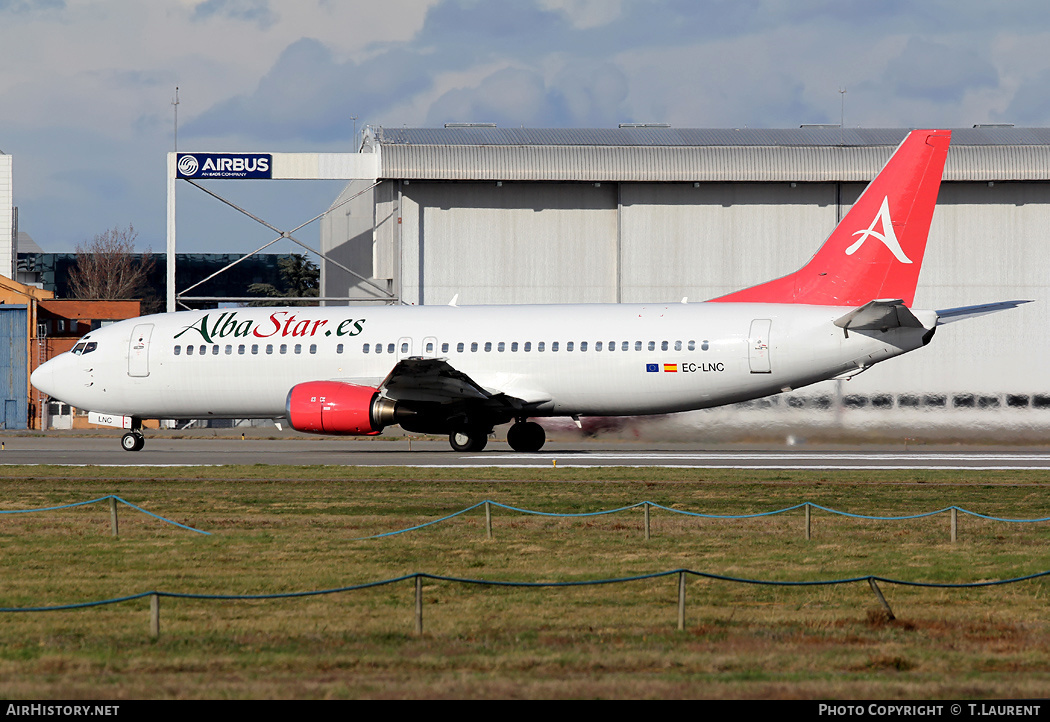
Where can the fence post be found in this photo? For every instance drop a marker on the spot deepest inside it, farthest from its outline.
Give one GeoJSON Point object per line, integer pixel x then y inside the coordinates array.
{"type": "Point", "coordinates": [647, 536]}
{"type": "Point", "coordinates": [113, 514]}
{"type": "Point", "coordinates": [809, 534]}
{"type": "Point", "coordinates": [488, 521]}
{"type": "Point", "coordinates": [955, 525]}
{"type": "Point", "coordinates": [419, 604]}
{"type": "Point", "coordinates": [882, 599]}
{"type": "Point", "coordinates": [154, 616]}
{"type": "Point", "coordinates": [681, 601]}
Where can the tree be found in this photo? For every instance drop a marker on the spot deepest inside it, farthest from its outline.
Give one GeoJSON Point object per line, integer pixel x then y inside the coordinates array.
{"type": "Point", "coordinates": [109, 268]}
{"type": "Point", "coordinates": [301, 278]}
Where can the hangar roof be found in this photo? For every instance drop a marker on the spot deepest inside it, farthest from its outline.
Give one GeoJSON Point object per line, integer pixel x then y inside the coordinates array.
{"type": "Point", "coordinates": [655, 154]}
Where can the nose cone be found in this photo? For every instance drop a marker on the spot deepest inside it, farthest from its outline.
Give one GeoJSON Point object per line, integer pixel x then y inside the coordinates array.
{"type": "Point", "coordinates": [43, 378]}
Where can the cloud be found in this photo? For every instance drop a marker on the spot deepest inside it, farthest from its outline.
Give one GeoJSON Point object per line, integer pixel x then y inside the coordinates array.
{"type": "Point", "coordinates": [30, 6]}
{"type": "Point", "coordinates": [308, 94]}
{"type": "Point", "coordinates": [941, 73]}
{"type": "Point", "coordinates": [254, 11]}
{"type": "Point", "coordinates": [1031, 102]}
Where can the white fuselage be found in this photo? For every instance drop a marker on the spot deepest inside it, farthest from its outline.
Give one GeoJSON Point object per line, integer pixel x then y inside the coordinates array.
{"type": "Point", "coordinates": [602, 359]}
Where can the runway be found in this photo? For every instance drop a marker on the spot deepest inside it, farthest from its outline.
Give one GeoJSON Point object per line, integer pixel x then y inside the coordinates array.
{"type": "Point", "coordinates": [62, 449]}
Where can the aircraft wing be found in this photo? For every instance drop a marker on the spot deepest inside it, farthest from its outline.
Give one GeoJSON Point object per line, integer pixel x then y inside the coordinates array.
{"type": "Point", "coordinates": [950, 315]}
{"type": "Point", "coordinates": [434, 380]}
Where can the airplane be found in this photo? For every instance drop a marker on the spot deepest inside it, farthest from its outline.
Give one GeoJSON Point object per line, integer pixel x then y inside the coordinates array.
{"type": "Point", "coordinates": [463, 370]}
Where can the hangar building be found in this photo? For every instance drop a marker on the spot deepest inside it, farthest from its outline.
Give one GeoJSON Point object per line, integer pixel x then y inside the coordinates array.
{"type": "Point", "coordinates": [650, 214]}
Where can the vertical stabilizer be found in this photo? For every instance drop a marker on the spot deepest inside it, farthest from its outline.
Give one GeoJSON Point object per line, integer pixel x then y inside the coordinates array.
{"type": "Point", "coordinates": [876, 251]}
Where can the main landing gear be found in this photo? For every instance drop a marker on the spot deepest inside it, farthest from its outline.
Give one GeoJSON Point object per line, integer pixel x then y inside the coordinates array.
{"type": "Point", "coordinates": [468, 440]}
{"type": "Point", "coordinates": [526, 436]}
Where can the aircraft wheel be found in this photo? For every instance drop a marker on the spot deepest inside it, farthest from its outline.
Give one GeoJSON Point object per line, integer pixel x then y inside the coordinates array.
{"type": "Point", "coordinates": [132, 441]}
{"type": "Point", "coordinates": [468, 440]}
{"type": "Point", "coordinates": [526, 436]}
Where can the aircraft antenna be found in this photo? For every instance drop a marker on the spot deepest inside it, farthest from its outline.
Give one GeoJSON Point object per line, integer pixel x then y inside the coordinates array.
{"type": "Point", "coordinates": [842, 113]}
{"type": "Point", "coordinates": [175, 106]}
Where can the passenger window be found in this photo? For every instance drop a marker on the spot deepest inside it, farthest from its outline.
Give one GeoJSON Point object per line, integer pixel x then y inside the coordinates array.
{"type": "Point", "coordinates": [474, 347]}
{"type": "Point", "coordinates": [240, 350]}
{"type": "Point", "coordinates": [189, 350]}
{"type": "Point", "coordinates": [404, 348]}
{"type": "Point", "coordinates": [284, 348]}
{"type": "Point", "coordinates": [255, 349]}
{"type": "Point", "coordinates": [444, 347]}
{"type": "Point", "coordinates": [663, 345]}
{"type": "Point", "coordinates": [703, 345]}
{"type": "Point", "coordinates": [269, 348]}
{"type": "Point", "coordinates": [488, 346]}
{"type": "Point", "coordinates": [539, 346]}
{"type": "Point", "coordinates": [568, 346]}
{"type": "Point", "coordinates": [215, 350]}
{"type": "Point", "coordinates": [459, 348]}
{"type": "Point", "coordinates": [298, 348]}
{"type": "Point", "coordinates": [597, 346]}
{"type": "Point", "coordinates": [364, 349]}
{"type": "Point", "coordinates": [692, 345]}
{"type": "Point", "coordinates": [229, 350]}
{"type": "Point", "coordinates": [379, 348]}
{"type": "Point", "coordinates": [313, 348]}
{"type": "Point", "coordinates": [390, 348]}
{"type": "Point", "coordinates": [652, 345]}
{"type": "Point", "coordinates": [203, 350]}
{"type": "Point", "coordinates": [501, 347]}
{"type": "Point", "coordinates": [178, 350]}
{"type": "Point", "coordinates": [514, 347]}
{"type": "Point", "coordinates": [528, 346]}
{"type": "Point", "coordinates": [430, 347]}
{"type": "Point", "coordinates": [583, 345]}
{"type": "Point", "coordinates": [677, 345]}
{"type": "Point", "coordinates": [338, 348]}
{"type": "Point", "coordinates": [627, 346]}
{"type": "Point", "coordinates": [554, 346]}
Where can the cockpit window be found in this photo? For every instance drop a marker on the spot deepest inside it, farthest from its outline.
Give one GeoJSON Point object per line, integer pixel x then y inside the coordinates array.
{"type": "Point", "coordinates": [91, 346]}
{"type": "Point", "coordinates": [78, 349]}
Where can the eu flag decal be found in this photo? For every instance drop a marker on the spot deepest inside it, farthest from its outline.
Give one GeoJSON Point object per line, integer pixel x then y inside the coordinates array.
{"type": "Point", "coordinates": [652, 368]}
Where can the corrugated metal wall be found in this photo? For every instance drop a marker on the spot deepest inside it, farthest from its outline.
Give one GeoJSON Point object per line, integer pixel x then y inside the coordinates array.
{"type": "Point", "coordinates": [513, 243]}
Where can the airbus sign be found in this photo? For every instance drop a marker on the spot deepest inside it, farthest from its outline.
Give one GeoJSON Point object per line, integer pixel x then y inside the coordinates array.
{"type": "Point", "coordinates": [224, 165]}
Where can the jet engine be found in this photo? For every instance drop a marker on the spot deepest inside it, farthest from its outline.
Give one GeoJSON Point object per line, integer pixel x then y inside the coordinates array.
{"type": "Point", "coordinates": [333, 407]}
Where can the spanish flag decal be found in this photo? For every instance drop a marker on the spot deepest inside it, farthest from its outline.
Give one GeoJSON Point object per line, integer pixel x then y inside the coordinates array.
{"type": "Point", "coordinates": [670, 368]}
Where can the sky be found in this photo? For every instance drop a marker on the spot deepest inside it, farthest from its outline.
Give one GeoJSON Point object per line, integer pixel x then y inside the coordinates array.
{"type": "Point", "coordinates": [87, 85]}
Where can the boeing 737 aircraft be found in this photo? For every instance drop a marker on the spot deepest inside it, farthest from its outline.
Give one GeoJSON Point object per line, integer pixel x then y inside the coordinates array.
{"type": "Point", "coordinates": [462, 371]}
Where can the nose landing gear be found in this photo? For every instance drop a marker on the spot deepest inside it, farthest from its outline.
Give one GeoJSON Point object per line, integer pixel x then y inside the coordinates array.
{"type": "Point", "coordinates": [132, 441]}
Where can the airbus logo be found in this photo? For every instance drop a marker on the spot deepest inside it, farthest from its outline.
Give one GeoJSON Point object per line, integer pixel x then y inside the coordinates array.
{"type": "Point", "coordinates": [225, 165]}
{"type": "Point", "coordinates": [188, 165]}
{"type": "Point", "coordinates": [888, 237]}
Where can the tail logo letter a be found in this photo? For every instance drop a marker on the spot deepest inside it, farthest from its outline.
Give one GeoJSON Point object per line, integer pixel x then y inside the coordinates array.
{"type": "Point", "coordinates": [888, 237]}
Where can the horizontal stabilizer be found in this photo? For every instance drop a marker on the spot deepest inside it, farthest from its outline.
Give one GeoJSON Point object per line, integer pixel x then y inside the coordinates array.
{"type": "Point", "coordinates": [884, 313]}
{"type": "Point", "coordinates": [950, 315]}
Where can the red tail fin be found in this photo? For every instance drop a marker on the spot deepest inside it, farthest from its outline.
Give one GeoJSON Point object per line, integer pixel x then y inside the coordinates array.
{"type": "Point", "coordinates": [876, 250]}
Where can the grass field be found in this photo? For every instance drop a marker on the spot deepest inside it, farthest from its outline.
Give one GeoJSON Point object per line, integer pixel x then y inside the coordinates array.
{"type": "Point", "coordinates": [283, 529]}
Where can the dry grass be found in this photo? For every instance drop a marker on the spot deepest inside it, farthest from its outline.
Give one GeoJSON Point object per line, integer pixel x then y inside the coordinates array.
{"type": "Point", "coordinates": [283, 530]}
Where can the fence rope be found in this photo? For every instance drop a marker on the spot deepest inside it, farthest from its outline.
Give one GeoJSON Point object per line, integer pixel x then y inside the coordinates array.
{"type": "Point", "coordinates": [100, 499]}
{"type": "Point", "coordinates": [534, 585]}
{"type": "Point", "coordinates": [794, 507]}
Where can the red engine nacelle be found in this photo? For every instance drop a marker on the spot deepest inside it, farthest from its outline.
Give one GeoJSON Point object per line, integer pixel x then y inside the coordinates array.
{"type": "Point", "coordinates": [332, 407]}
